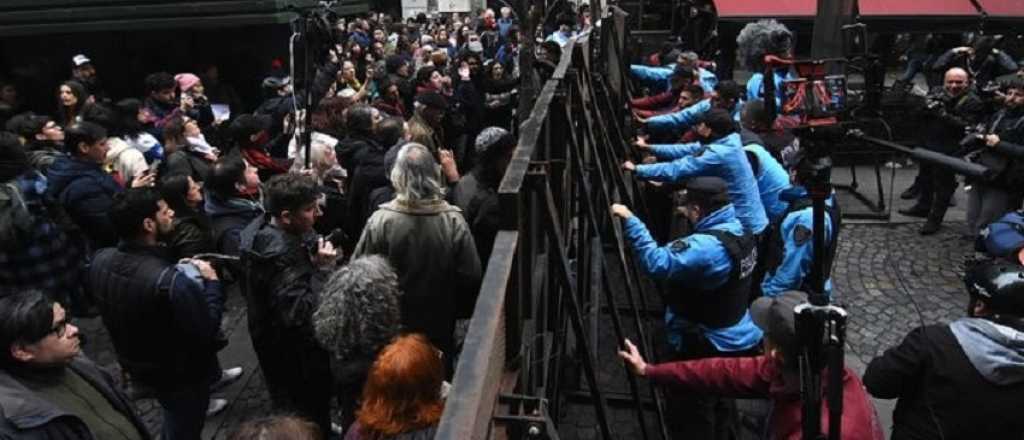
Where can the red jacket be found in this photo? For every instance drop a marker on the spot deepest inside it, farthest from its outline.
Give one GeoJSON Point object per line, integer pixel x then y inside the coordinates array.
{"type": "Point", "coordinates": [761, 377]}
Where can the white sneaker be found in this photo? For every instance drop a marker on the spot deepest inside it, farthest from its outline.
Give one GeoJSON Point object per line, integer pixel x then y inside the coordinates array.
{"type": "Point", "coordinates": [215, 406]}
{"type": "Point", "coordinates": [227, 377]}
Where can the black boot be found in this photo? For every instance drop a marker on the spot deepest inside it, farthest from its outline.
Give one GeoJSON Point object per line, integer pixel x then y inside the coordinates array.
{"type": "Point", "coordinates": [916, 211]}
{"type": "Point", "coordinates": [929, 227]}
{"type": "Point", "coordinates": [912, 192]}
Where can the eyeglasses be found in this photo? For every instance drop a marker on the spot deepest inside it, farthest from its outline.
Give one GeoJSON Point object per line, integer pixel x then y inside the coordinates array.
{"type": "Point", "coordinates": [60, 328]}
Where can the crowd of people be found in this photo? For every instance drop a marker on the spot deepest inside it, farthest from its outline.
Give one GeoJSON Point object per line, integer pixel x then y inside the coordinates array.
{"type": "Point", "coordinates": [737, 255]}
{"type": "Point", "coordinates": [357, 254]}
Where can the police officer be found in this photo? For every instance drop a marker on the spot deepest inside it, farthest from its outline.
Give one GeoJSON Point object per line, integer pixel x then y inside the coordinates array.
{"type": "Point", "coordinates": [707, 276]}
{"type": "Point", "coordinates": [964, 379]}
{"type": "Point", "coordinates": [790, 251]}
{"type": "Point", "coordinates": [719, 153]}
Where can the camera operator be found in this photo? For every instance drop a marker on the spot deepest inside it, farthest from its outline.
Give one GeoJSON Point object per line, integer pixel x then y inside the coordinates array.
{"type": "Point", "coordinates": [1004, 139]}
{"type": "Point", "coordinates": [981, 60]}
{"type": "Point", "coordinates": [948, 111]}
{"type": "Point", "coordinates": [965, 379]}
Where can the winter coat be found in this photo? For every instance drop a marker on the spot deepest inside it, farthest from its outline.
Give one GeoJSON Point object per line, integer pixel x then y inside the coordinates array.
{"type": "Point", "coordinates": [363, 158]}
{"type": "Point", "coordinates": [228, 218]}
{"type": "Point", "coordinates": [723, 158]}
{"type": "Point", "coordinates": [35, 251]}
{"type": "Point", "coordinates": [432, 250]}
{"type": "Point", "coordinates": [86, 193]}
{"type": "Point", "coordinates": [944, 122]}
{"type": "Point", "coordinates": [477, 196]}
{"type": "Point", "coordinates": [42, 154]}
{"type": "Point", "coordinates": [185, 163]}
{"type": "Point", "coordinates": [192, 234]}
{"type": "Point", "coordinates": [964, 380]}
{"type": "Point", "coordinates": [282, 288]}
{"type": "Point", "coordinates": [163, 319]}
{"type": "Point", "coordinates": [762, 377]}
{"type": "Point", "coordinates": [26, 416]}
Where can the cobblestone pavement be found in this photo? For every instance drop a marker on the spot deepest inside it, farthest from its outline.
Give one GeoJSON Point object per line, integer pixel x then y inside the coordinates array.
{"type": "Point", "coordinates": [888, 277]}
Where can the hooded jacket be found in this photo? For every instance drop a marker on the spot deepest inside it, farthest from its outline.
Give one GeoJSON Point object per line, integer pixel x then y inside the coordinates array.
{"type": "Point", "coordinates": [86, 192]}
{"type": "Point", "coordinates": [964, 380]}
{"type": "Point", "coordinates": [227, 219]}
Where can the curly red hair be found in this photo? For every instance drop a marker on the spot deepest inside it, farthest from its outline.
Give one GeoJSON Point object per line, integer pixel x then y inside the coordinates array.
{"type": "Point", "coordinates": [402, 391]}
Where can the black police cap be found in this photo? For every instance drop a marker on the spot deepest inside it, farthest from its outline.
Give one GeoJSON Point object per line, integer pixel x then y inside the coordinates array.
{"type": "Point", "coordinates": [706, 189]}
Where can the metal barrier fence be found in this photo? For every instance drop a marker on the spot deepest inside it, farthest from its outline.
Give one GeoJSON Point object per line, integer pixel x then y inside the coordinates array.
{"type": "Point", "coordinates": [547, 285]}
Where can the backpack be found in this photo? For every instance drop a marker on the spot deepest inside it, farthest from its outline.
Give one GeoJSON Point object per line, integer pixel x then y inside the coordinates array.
{"type": "Point", "coordinates": [1003, 237]}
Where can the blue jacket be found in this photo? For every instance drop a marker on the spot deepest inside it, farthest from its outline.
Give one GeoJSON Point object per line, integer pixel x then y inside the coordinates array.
{"type": "Point", "coordinates": [723, 158]}
{"type": "Point", "coordinates": [772, 179]}
{"type": "Point", "coordinates": [798, 251]}
{"type": "Point", "coordinates": [86, 192]}
{"type": "Point", "coordinates": [755, 86]}
{"type": "Point", "coordinates": [228, 218]}
{"type": "Point", "coordinates": [682, 120]}
{"type": "Point", "coordinates": [697, 259]}
{"type": "Point", "coordinates": [659, 79]}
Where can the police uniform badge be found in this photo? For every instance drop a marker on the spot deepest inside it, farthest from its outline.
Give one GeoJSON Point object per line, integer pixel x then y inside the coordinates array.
{"type": "Point", "coordinates": [679, 245]}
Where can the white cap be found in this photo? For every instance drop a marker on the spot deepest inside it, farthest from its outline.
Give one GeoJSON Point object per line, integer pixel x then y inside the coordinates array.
{"type": "Point", "coordinates": [79, 60]}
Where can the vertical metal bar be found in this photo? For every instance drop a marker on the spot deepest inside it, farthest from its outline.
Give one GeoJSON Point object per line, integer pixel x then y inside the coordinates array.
{"type": "Point", "coordinates": [551, 223]}
{"type": "Point", "coordinates": [629, 272]}
{"type": "Point", "coordinates": [588, 216]}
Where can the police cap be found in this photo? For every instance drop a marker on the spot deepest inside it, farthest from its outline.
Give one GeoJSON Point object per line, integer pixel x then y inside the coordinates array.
{"type": "Point", "coordinates": [705, 189]}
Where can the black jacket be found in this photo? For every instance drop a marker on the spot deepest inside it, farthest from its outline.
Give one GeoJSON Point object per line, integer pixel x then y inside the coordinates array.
{"type": "Point", "coordinates": [946, 118]}
{"type": "Point", "coordinates": [282, 288]}
{"type": "Point", "coordinates": [163, 322]}
{"type": "Point", "coordinates": [25, 416]}
{"type": "Point", "coordinates": [965, 379]}
{"type": "Point", "coordinates": [476, 195]}
{"type": "Point", "coordinates": [227, 219]}
{"type": "Point", "coordinates": [185, 163]}
{"type": "Point", "coordinates": [192, 234]}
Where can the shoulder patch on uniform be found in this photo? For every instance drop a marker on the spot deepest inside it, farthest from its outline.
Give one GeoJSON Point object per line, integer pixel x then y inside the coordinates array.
{"type": "Point", "coordinates": [801, 234]}
{"type": "Point", "coordinates": [679, 245]}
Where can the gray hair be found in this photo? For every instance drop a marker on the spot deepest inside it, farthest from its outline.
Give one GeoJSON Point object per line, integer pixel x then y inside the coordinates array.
{"type": "Point", "coordinates": [760, 38]}
{"type": "Point", "coordinates": [320, 145]}
{"type": "Point", "coordinates": [359, 309]}
{"type": "Point", "coordinates": [416, 175]}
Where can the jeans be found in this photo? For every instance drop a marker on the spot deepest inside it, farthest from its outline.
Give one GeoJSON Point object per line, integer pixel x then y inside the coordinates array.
{"type": "Point", "coordinates": [184, 411]}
